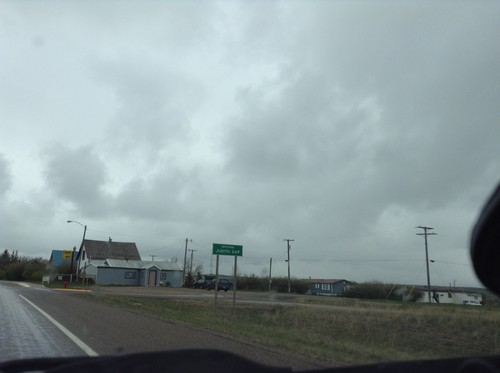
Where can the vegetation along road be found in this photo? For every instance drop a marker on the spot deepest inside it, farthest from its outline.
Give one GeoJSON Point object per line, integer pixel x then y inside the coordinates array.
{"type": "Point", "coordinates": [328, 330]}
{"type": "Point", "coordinates": [113, 329]}
{"type": "Point", "coordinates": [302, 332]}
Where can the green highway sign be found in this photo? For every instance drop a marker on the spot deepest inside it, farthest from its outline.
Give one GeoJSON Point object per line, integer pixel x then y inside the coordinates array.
{"type": "Point", "coordinates": [225, 249]}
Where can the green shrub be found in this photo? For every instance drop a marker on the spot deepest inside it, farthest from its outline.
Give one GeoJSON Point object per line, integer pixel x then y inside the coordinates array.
{"type": "Point", "coordinates": [373, 290]}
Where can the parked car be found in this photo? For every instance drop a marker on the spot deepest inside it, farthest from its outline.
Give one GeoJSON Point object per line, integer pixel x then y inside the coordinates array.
{"type": "Point", "coordinates": [224, 284]}
{"type": "Point", "coordinates": [202, 283]}
{"type": "Point", "coordinates": [471, 303]}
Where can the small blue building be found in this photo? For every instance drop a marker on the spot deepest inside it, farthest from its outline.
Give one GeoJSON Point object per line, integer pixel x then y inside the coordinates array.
{"type": "Point", "coordinates": [336, 287]}
{"type": "Point", "coordinates": [134, 272]}
{"type": "Point", "coordinates": [59, 258]}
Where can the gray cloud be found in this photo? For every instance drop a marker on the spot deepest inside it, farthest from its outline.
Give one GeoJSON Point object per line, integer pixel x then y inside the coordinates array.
{"type": "Point", "coordinates": [77, 176]}
{"type": "Point", "coordinates": [5, 175]}
{"type": "Point", "coordinates": [340, 124]}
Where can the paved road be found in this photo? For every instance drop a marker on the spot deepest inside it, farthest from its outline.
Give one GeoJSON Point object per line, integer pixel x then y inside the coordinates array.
{"type": "Point", "coordinates": [25, 332]}
{"type": "Point", "coordinates": [108, 330]}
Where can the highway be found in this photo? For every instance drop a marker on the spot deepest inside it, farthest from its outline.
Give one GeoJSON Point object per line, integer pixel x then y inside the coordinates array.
{"type": "Point", "coordinates": [25, 332]}
{"type": "Point", "coordinates": [40, 322]}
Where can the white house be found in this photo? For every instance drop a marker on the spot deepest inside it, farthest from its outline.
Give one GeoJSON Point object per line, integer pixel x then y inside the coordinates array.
{"type": "Point", "coordinates": [119, 263]}
{"type": "Point", "coordinates": [92, 254]}
{"type": "Point", "coordinates": [450, 295]}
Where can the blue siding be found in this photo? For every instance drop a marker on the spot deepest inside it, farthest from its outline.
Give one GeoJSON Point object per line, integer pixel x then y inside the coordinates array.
{"type": "Point", "coordinates": [173, 278]}
{"type": "Point", "coordinates": [57, 258]}
{"type": "Point", "coordinates": [334, 288]}
{"type": "Point", "coordinates": [137, 277]}
{"type": "Point", "coordinates": [117, 276]}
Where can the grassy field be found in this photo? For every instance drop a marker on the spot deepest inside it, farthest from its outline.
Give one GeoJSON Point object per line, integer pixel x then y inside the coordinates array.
{"type": "Point", "coordinates": [341, 330]}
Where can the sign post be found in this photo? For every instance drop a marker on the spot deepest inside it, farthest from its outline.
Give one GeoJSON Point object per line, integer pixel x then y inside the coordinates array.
{"type": "Point", "coordinates": [230, 250]}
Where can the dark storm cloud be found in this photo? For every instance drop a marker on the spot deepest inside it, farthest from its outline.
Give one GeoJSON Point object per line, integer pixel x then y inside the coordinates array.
{"type": "Point", "coordinates": [376, 133]}
{"type": "Point", "coordinates": [430, 68]}
{"type": "Point", "coordinates": [339, 124]}
{"type": "Point", "coordinates": [306, 153]}
{"type": "Point", "coordinates": [5, 175]}
{"type": "Point", "coordinates": [77, 176]}
{"type": "Point", "coordinates": [153, 104]}
{"type": "Point", "coordinates": [168, 195]}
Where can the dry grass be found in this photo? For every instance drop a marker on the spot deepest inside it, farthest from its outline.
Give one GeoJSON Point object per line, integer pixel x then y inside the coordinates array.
{"type": "Point", "coordinates": [340, 330]}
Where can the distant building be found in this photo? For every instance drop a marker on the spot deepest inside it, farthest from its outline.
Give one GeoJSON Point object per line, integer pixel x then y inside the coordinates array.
{"type": "Point", "coordinates": [450, 295]}
{"type": "Point", "coordinates": [119, 263]}
{"type": "Point", "coordinates": [94, 253]}
{"type": "Point", "coordinates": [135, 273]}
{"type": "Point", "coordinates": [335, 287]}
{"type": "Point", "coordinates": [59, 258]}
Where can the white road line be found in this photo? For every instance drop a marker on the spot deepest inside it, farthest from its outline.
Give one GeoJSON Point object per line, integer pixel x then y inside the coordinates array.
{"type": "Point", "coordinates": [70, 335]}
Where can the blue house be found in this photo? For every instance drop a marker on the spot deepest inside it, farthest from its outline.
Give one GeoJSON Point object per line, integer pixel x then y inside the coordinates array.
{"type": "Point", "coordinates": [60, 258]}
{"type": "Point", "coordinates": [135, 273]}
{"type": "Point", "coordinates": [328, 287]}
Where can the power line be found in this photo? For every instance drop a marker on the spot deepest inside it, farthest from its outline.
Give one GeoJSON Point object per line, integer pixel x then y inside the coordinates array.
{"type": "Point", "coordinates": [197, 244]}
{"type": "Point", "coordinates": [359, 260]}
{"type": "Point", "coordinates": [458, 264]}
{"type": "Point", "coordinates": [166, 247]}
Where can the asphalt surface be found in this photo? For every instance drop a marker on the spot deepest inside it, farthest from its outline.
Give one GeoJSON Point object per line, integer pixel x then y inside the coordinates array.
{"type": "Point", "coordinates": [25, 332]}
{"type": "Point", "coordinates": [107, 330]}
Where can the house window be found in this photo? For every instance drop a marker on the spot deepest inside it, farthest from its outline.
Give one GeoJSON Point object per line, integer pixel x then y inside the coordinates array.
{"type": "Point", "coordinates": [316, 286]}
{"type": "Point", "coordinates": [130, 275]}
{"type": "Point", "coordinates": [163, 276]}
{"type": "Point", "coordinates": [325, 286]}
{"type": "Point", "coordinates": [83, 255]}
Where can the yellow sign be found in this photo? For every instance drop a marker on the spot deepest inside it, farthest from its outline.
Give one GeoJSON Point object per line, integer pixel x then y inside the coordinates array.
{"type": "Point", "coordinates": [67, 254]}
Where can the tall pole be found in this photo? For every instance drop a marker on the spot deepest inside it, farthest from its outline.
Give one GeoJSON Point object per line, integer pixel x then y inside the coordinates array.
{"type": "Point", "coordinates": [185, 257]}
{"type": "Point", "coordinates": [270, 267]}
{"type": "Point", "coordinates": [288, 260]}
{"type": "Point", "coordinates": [83, 239]}
{"type": "Point", "coordinates": [72, 262]}
{"type": "Point", "coordinates": [425, 234]}
{"type": "Point", "coordinates": [191, 264]}
{"type": "Point", "coordinates": [216, 279]}
{"type": "Point", "coordinates": [234, 281]}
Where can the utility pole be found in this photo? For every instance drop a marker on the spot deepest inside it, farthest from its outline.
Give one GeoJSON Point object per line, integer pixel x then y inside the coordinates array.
{"type": "Point", "coordinates": [153, 258]}
{"type": "Point", "coordinates": [185, 257]}
{"type": "Point", "coordinates": [72, 263]}
{"type": "Point", "coordinates": [270, 267]}
{"type": "Point", "coordinates": [83, 240]}
{"type": "Point", "coordinates": [425, 234]}
{"type": "Point", "coordinates": [288, 260]}
{"type": "Point", "coordinates": [191, 264]}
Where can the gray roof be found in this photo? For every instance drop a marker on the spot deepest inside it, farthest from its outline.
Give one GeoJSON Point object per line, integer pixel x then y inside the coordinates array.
{"type": "Point", "coordinates": [143, 264]}
{"type": "Point", "coordinates": [444, 289]}
{"type": "Point", "coordinates": [96, 263]}
{"type": "Point", "coordinates": [168, 266]}
{"type": "Point", "coordinates": [111, 250]}
{"type": "Point", "coordinates": [327, 281]}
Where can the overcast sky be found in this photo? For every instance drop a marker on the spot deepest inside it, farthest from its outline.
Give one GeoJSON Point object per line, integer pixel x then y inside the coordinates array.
{"type": "Point", "coordinates": [340, 124]}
